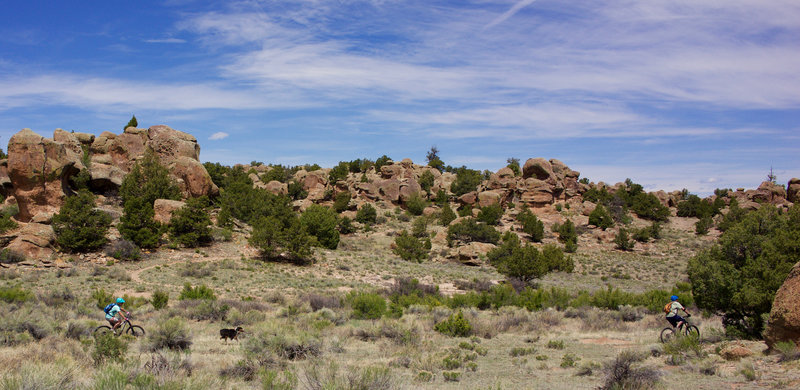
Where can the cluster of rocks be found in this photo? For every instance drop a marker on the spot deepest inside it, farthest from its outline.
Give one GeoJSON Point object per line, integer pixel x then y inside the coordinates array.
{"type": "Point", "coordinates": [36, 175]}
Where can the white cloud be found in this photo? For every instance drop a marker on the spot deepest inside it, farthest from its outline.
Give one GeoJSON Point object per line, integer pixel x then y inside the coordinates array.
{"type": "Point", "coordinates": [218, 135]}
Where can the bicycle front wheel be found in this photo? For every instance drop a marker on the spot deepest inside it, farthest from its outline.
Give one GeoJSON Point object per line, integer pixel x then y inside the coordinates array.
{"type": "Point", "coordinates": [135, 331]}
{"type": "Point", "coordinates": [101, 330]}
{"type": "Point", "coordinates": [692, 331]}
{"type": "Point", "coordinates": [667, 334]}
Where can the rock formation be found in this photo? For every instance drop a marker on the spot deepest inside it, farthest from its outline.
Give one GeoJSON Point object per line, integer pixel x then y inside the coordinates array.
{"type": "Point", "coordinates": [784, 319]}
{"type": "Point", "coordinates": [39, 169]}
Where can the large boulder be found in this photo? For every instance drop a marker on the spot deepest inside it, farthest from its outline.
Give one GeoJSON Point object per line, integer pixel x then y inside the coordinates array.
{"type": "Point", "coordinates": [471, 254]}
{"type": "Point", "coordinates": [192, 177]}
{"type": "Point", "coordinates": [538, 168]}
{"type": "Point", "coordinates": [390, 189]}
{"type": "Point", "coordinates": [39, 169]}
{"type": "Point", "coordinates": [793, 190]}
{"type": "Point", "coordinates": [34, 241]}
{"type": "Point", "coordinates": [536, 192]}
{"type": "Point", "coordinates": [784, 319]}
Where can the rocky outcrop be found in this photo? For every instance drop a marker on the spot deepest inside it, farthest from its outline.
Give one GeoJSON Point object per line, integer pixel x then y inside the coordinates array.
{"type": "Point", "coordinates": [793, 190]}
{"type": "Point", "coordinates": [33, 241]}
{"type": "Point", "coordinates": [471, 254]}
{"type": "Point", "coordinates": [38, 170]}
{"type": "Point", "coordinates": [784, 319]}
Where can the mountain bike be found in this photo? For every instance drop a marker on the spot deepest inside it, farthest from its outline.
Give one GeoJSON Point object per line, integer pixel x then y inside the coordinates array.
{"type": "Point", "coordinates": [685, 329]}
{"type": "Point", "coordinates": [127, 328]}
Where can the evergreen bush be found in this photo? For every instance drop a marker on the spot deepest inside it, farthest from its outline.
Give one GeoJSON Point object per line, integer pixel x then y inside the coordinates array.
{"type": "Point", "coordinates": [367, 214]}
{"type": "Point", "coordinates": [368, 306]}
{"type": "Point", "coordinates": [342, 201]}
{"type": "Point", "coordinates": [623, 241]}
{"type": "Point", "coordinates": [467, 180]}
{"type": "Point", "coordinates": [138, 224]}
{"type": "Point", "coordinates": [190, 225]}
{"type": "Point", "coordinates": [426, 181]}
{"type": "Point", "coordinates": [738, 277]}
{"type": "Point", "coordinates": [447, 215]}
{"type": "Point", "coordinates": [567, 235]}
{"type": "Point", "coordinates": [455, 326]}
{"type": "Point", "coordinates": [469, 230]}
{"type": "Point", "coordinates": [410, 248]}
{"type": "Point", "coordinates": [148, 180]}
{"type": "Point", "coordinates": [197, 292]}
{"type": "Point", "coordinates": [491, 214]}
{"type": "Point", "coordinates": [531, 225]}
{"type": "Point", "coordinates": [416, 204]}
{"type": "Point", "coordinates": [78, 226]}
{"type": "Point", "coordinates": [321, 223]}
{"type": "Point", "coordinates": [601, 218]}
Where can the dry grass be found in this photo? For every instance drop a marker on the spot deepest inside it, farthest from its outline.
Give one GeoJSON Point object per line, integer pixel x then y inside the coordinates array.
{"type": "Point", "coordinates": [297, 321]}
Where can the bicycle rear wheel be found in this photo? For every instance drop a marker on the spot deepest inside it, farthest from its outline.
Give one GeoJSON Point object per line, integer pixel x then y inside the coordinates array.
{"type": "Point", "coordinates": [692, 331]}
{"type": "Point", "coordinates": [667, 334]}
{"type": "Point", "coordinates": [102, 329]}
{"type": "Point", "coordinates": [135, 331]}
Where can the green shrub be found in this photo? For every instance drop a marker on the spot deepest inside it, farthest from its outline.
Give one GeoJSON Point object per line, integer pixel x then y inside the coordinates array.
{"type": "Point", "coordinates": [321, 222]}
{"type": "Point", "coordinates": [197, 292]}
{"type": "Point", "coordinates": [567, 235]}
{"type": "Point", "coordinates": [276, 173]}
{"type": "Point", "coordinates": [623, 241]}
{"type": "Point", "coordinates": [569, 360]}
{"type": "Point", "coordinates": [469, 230]}
{"type": "Point", "coordinates": [342, 201]}
{"type": "Point", "coordinates": [14, 294]}
{"type": "Point", "coordinates": [159, 299]}
{"type": "Point", "coordinates": [131, 123]}
{"type": "Point", "coordinates": [739, 275]}
{"type": "Point", "coordinates": [137, 223]}
{"type": "Point", "coordinates": [416, 204]}
{"type": "Point", "coordinates": [642, 235]}
{"type": "Point", "coordinates": [531, 225]}
{"type": "Point", "coordinates": [296, 191]}
{"type": "Point", "coordinates": [426, 181]}
{"type": "Point", "coordinates": [787, 351]}
{"type": "Point", "coordinates": [467, 180]}
{"type": "Point", "coordinates": [526, 262]}
{"type": "Point", "coordinates": [601, 218]}
{"type": "Point", "coordinates": [190, 225]}
{"type": "Point", "coordinates": [108, 347]}
{"type": "Point", "coordinates": [410, 248]}
{"type": "Point", "coordinates": [703, 225]}
{"type": "Point", "coordinates": [491, 215]}
{"type": "Point", "coordinates": [172, 334]}
{"type": "Point", "coordinates": [447, 215]}
{"type": "Point", "coordinates": [345, 226]}
{"type": "Point", "coordinates": [368, 306]}
{"type": "Point", "coordinates": [454, 326]}
{"type": "Point", "coordinates": [78, 226]}
{"type": "Point", "coordinates": [693, 206]}
{"type": "Point", "coordinates": [648, 206]}
{"type": "Point", "coordinates": [367, 214]}
{"type": "Point", "coordinates": [339, 172]}
{"type": "Point", "coordinates": [148, 180]}
{"type": "Point", "coordinates": [6, 223]}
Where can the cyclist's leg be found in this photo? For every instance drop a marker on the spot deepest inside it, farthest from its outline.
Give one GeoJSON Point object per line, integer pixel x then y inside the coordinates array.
{"type": "Point", "coordinates": [673, 320]}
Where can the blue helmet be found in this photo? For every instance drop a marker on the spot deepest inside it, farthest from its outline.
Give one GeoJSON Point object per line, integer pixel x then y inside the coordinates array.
{"type": "Point", "coordinates": [120, 301]}
{"type": "Point", "coordinates": [674, 297]}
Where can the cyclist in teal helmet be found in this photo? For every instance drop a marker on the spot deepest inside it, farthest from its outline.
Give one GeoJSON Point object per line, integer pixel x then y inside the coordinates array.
{"type": "Point", "coordinates": [114, 311]}
{"type": "Point", "coordinates": [672, 312]}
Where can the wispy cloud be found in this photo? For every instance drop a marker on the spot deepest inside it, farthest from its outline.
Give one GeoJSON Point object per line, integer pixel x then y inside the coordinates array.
{"type": "Point", "coordinates": [218, 135]}
{"type": "Point", "coordinates": [514, 9]}
{"type": "Point", "coordinates": [166, 40]}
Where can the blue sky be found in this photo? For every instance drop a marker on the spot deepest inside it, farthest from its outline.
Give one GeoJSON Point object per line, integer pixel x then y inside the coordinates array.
{"type": "Point", "coordinates": [672, 94]}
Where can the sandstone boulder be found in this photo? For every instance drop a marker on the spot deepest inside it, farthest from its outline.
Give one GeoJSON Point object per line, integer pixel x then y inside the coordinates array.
{"type": "Point", "coordinates": [192, 177]}
{"type": "Point", "coordinates": [277, 187]}
{"type": "Point", "coordinates": [472, 253]}
{"type": "Point", "coordinates": [39, 169]}
{"type": "Point", "coordinates": [164, 208]}
{"type": "Point", "coordinates": [793, 190]}
{"type": "Point", "coordinates": [390, 189]}
{"type": "Point", "coordinates": [735, 352]}
{"type": "Point", "coordinates": [470, 198]}
{"type": "Point", "coordinates": [784, 319]}
{"type": "Point", "coordinates": [538, 168]}
{"type": "Point", "coordinates": [488, 198]}
{"type": "Point", "coordinates": [769, 192]}
{"type": "Point", "coordinates": [409, 188]}
{"type": "Point", "coordinates": [34, 241]}
{"type": "Point", "coordinates": [391, 171]}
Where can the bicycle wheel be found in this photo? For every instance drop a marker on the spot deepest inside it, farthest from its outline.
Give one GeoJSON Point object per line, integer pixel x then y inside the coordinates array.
{"type": "Point", "coordinates": [667, 334]}
{"type": "Point", "coordinates": [102, 329]}
{"type": "Point", "coordinates": [135, 331]}
{"type": "Point", "coordinates": [692, 331]}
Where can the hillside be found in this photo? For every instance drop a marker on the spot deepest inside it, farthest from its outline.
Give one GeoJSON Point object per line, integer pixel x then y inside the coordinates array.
{"type": "Point", "coordinates": [359, 316]}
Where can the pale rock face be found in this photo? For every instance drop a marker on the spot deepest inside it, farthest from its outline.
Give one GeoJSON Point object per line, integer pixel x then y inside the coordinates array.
{"type": "Point", "coordinates": [793, 190]}
{"type": "Point", "coordinates": [164, 208]}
